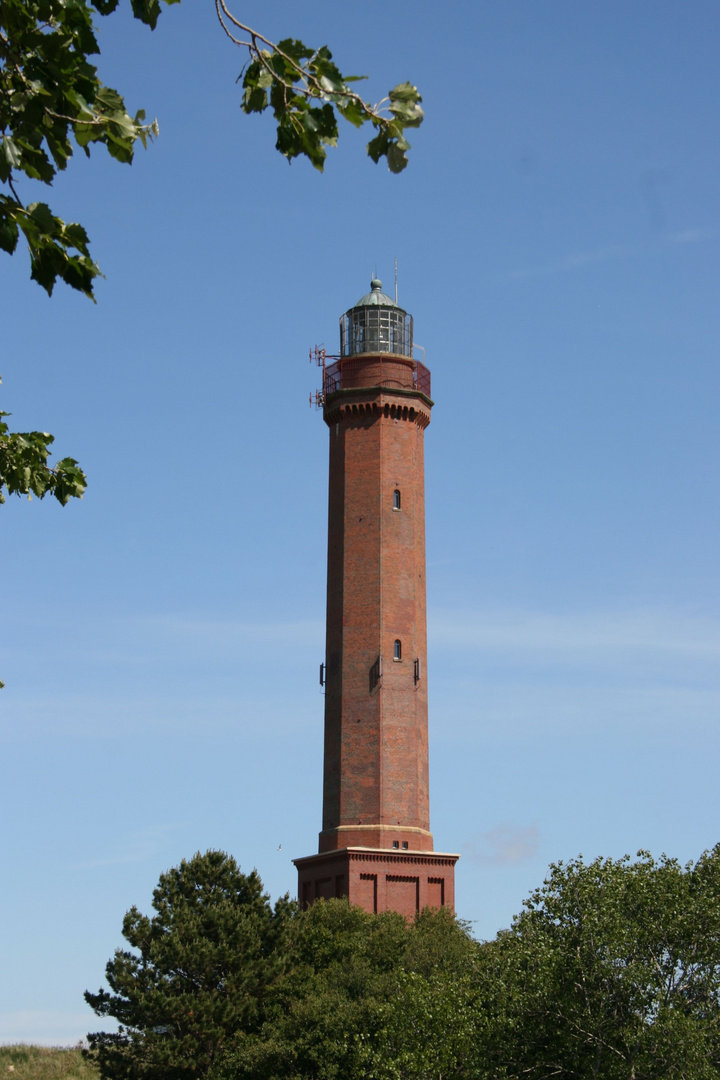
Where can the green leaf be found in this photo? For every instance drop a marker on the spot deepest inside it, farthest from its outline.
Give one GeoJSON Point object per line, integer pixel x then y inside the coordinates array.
{"type": "Point", "coordinates": [378, 147]}
{"type": "Point", "coordinates": [296, 50]}
{"type": "Point", "coordinates": [396, 157]}
{"type": "Point", "coordinates": [405, 105]}
{"type": "Point", "coordinates": [10, 153]}
{"type": "Point", "coordinates": [43, 217]}
{"type": "Point", "coordinates": [9, 231]}
{"type": "Point", "coordinates": [353, 112]}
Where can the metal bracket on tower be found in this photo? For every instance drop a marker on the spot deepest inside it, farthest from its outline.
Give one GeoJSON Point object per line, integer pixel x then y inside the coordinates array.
{"type": "Point", "coordinates": [318, 354]}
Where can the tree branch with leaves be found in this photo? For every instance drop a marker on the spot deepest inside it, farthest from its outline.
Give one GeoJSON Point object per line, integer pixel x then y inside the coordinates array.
{"type": "Point", "coordinates": [53, 100]}
{"type": "Point", "coordinates": [304, 88]}
{"type": "Point", "coordinates": [24, 468]}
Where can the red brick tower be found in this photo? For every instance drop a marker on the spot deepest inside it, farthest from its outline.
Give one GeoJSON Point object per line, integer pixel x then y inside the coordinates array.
{"type": "Point", "coordinates": [376, 846]}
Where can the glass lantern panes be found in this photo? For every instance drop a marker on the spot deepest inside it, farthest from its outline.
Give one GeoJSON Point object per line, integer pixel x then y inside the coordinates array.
{"type": "Point", "coordinates": [376, 329]}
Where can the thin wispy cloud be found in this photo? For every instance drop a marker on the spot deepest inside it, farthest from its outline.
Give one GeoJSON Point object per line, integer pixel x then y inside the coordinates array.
{"type": "Point", "coordinates": [504, 845]}
{"type": "Point", "coordinates": [230, 633]}
{"type": "Point", "coordinates": [250, 714]}
{"type": "Point", "coordinates": [499, 676]}
{"type": "Point", "coordinates": [591, 635]}
{"type": "Point", "coordinates": [689, 236]}
{"type": "Point", "coordinates": [517, 709]}
{"type": "Point", "coordinates": [574, 261]}
{"type": "Point", "coordinates": [525, 670]}
{"type": "Point", "coordinates": [138, 847]}
{"type": "Point", "coordinates": [44, 1027]}
{"type": "Point", "coordinates": [142, 639]}
{"type": "Point", "coordinates": [606, 253]}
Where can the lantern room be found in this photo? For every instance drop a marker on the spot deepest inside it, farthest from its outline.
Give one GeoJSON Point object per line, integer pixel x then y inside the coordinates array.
{"type": "Point", "coordinates": [376, 324]}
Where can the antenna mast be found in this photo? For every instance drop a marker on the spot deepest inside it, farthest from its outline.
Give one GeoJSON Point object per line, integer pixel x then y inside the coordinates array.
{"type": "Point", "coordinates": [396, 279]}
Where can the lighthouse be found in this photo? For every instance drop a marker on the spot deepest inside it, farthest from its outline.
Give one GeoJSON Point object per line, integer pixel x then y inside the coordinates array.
{"type": "Point", "coordinates": [375, 846]}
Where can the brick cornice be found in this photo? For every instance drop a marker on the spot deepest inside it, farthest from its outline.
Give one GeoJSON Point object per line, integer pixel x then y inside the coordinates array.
{"type": "Point", "coordinates": [382, 856]}
{"type": "Point", "coordinates": [375, 402]}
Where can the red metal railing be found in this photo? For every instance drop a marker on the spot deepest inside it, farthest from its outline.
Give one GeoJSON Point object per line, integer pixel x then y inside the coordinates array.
{"type": "Point", "coordinates": [421, 378]}
{"type": "Point", "coordinates": [333, 375]}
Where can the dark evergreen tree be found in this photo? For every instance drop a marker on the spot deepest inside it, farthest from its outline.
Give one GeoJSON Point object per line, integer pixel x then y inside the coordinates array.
{"type": "Point", "coordinates": [200, 973]}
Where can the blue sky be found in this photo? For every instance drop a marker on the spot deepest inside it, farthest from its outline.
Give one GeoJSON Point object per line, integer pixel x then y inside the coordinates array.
{"type": "Point", "coordinates": [557, 235]}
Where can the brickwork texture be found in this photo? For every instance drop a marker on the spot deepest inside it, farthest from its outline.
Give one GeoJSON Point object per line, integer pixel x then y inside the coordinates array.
{"type": "Point", "coordinates": [375, 845]}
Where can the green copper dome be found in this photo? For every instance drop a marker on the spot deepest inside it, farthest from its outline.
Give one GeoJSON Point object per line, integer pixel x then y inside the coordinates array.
{"type": "Point", "coordinates": [376, 297]}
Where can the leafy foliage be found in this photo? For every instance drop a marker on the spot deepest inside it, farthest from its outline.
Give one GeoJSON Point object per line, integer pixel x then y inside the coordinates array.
{"type": "Point", "coordinates": [304, 88]}
{"type": "Point", "coordinates": [52, 100]}
{"type": "Point", "coordinates": [201, 971]}
{"type": "Point", "coordinates": [364, 995]}
{"type": "Point", "coordinates": [24, 468]}
{"type": "Point", "coordinates": [612, 970]}
{"type": "Point", "coordinates": [221, 984]}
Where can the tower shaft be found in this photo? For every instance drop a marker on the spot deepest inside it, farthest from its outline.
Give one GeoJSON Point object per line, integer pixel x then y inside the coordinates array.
{"type": "Point", "coordinates": [376, 744]}
{"type": "Point", "coordinates": [375, 846]}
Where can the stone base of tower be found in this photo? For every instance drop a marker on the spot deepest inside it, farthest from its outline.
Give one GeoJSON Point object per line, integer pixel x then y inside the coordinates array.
{"type": "Point", "coordinates": [379, 880]}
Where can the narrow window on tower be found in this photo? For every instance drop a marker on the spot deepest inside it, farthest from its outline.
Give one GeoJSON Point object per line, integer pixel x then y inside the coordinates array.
{"type": "Point", "coordinates": [397, 649]}
{"type": "Point", "coordinates": [396, 499]}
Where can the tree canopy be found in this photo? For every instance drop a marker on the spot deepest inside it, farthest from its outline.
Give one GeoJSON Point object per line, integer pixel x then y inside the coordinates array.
{"type": "Point", "coordinates": [611, 970]}
{"type": "Point", "coordinates": [199, 973]}
{"type": "Point", "coordinates": [221, 984]}
{"type": "Point", "coordinates": [363, 995]}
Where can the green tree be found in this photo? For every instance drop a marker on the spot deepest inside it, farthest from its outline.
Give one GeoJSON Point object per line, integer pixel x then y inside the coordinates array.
{"type": "Point", "coordinates": [364, 996]}
{"type": "Point", "coordinates": [220, 984]}
{"type": "Point", "coordinates": [612, 970]}
{"type": "Point", "coordinates": [200, 972]}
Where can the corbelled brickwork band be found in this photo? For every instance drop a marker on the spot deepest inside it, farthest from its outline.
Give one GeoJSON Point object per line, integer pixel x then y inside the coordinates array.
{"type": "Point", "coordinates": [376, 817]}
